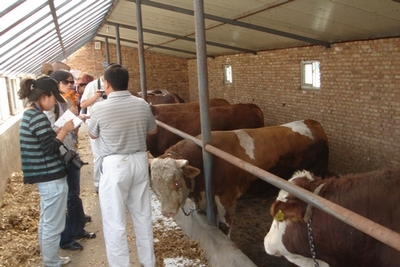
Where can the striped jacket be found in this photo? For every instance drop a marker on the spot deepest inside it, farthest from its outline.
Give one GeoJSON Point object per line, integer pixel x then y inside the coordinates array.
{"type": "Point", "coordinates": [40, 154]}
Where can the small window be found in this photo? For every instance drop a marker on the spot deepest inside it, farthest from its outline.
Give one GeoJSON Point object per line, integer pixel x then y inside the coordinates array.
{"type": "Point", "coordinates": [15, 103]}
{"type": "Point", "coordinates": [310, 75]}
{"type": "Point", "coordinates": [227, 74]}
{"type": "Point", "coordinates": [4, 106]}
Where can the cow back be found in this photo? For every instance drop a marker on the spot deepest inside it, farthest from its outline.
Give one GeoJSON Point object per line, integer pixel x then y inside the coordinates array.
{"type": "Point", "coordinates": [237, 116]}
{"type": "Point", "coordinates": [227, 117]}
{"type": "Point", "coordinates": [153, 98]}
{"type": "Point", "coordinates": [186, 107]}
{"type": "Point", "coordinates": [282, 149]}
{"type": "Point", "coordinates": [163, 99]}
{"type": "Point", "coordinates": [277, 149]}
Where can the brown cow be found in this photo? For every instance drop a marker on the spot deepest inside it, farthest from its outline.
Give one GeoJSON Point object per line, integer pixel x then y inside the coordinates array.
{"type": "Point", "coordinates": [162, 98]}
{"type": "Point", "coordinates": [374, 195]}
{"type": "Point", "coordinates": [177, 174]}
{"type": "Point", "coordinates": [186, 107]}
{"type": "Point", "coordinates": [222, 118]}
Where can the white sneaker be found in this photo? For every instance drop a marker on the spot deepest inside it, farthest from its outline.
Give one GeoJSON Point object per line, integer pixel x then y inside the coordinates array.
{"type": "Point", "coordinates": [64, 260]}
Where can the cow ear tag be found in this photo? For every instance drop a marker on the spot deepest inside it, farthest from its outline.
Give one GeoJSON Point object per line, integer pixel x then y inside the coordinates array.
{"type": "Point", "coordinates": [280, 216]}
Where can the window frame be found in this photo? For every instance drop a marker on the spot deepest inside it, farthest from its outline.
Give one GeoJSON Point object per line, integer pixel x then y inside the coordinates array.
{"type": "Point", "coordinates": [16, 104]}
{"type": "Point", "coordinates": [228, 74]}
{"type": "Point", "coordinates": [310, 68]}
{"type": "Point", "coordinates": [10, 102]}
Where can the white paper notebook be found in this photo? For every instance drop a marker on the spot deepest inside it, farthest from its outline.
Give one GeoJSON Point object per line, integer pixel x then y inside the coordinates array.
{"type": "Point", "coordinates": [68, 115]}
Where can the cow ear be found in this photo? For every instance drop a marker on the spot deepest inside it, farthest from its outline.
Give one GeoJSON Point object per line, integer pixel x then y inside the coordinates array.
{"type": "Point", "coordinates": [281, 211]}
{"type": "Point", "coordinates": [190, 171]}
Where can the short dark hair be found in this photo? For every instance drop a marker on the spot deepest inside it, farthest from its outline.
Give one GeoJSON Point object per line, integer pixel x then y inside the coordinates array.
{"type": "Point", "coordinates": [61, 75]}
{"type": "Point", "coordinates": [117, 76]}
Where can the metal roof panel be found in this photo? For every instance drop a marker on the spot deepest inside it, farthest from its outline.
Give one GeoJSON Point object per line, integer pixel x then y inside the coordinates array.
{"type": "Point", "coordinates": [38, 31]}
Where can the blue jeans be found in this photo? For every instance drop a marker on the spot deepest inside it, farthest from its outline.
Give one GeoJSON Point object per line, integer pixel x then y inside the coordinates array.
{"type": "Point", "coordinates": [53, 199]}
{"type": "Point", "coordinates": [75, 219]}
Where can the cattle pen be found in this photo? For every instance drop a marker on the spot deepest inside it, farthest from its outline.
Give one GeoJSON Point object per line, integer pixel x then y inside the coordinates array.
{"type": "Point", "coordinates": [361, 223]}
{"type": "Point", "coordinates": [293, 59]}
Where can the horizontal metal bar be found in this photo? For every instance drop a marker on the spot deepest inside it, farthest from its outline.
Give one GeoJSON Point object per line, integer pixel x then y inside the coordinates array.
{"type": "Point", "coordinates": [237, 23]}
{"type": "Point", "coordinates": [186, 38]}
{"type": "Point", "coordinates": [147, 44]}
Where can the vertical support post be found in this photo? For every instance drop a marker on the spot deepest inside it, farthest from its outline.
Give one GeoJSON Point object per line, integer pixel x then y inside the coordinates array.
{"type": "Point", "coordinates": [142, 65]}
{"type": "Point", "coordinates": [107, 59]}
{"type": "Point", "coordinates": [202, 77]}
{"type": "Point", "coordinates": [118, 44]}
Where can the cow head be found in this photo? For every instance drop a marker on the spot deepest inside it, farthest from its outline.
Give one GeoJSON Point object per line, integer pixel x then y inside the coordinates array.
{"type": "Point", "coordinates": [289, 225]}
{"type": "Point", "coordinates": [168, 182]}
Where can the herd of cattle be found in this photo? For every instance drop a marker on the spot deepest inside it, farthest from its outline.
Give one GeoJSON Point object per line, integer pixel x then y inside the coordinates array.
{"type": "Point", "coordinates": [176, 166]}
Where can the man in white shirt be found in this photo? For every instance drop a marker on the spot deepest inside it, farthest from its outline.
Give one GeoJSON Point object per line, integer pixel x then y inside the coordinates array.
{"type": "Point", "coordinates": [94, 93]}
{"type": "Point", "coordinates": [121, 124]}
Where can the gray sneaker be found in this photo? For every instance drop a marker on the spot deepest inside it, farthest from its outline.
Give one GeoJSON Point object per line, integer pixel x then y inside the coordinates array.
{"type": "Point", "coordinates": [64, 260]}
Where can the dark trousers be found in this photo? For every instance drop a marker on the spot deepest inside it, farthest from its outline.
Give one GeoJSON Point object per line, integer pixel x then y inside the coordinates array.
{"type": "Point", "coordinates": [75, 219]}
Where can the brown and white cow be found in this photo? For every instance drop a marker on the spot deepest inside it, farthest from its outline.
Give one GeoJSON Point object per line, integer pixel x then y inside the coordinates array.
{"type": "Point", "coordinates": [228, 117]}
{"type": "Point", "coordinates": [177, 174]}
{"type": "Point", "coordinates": [374, 195]}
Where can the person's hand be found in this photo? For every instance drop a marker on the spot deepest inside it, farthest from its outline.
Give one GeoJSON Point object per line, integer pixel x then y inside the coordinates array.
{"type": "Point", "coordinates": [99, 93]}
{"type": "Point", "coordinates": [68, 126]}
{"type": "Point", "coordinates": [74, 110]}
{"type": "Point", "coordinates": [82, 117]}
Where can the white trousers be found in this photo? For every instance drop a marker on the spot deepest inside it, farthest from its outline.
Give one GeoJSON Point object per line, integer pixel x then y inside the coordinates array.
{"type": "Point", "coordinates": [96, 161]}
{"type": "Point", "coordinates": [125, 183]}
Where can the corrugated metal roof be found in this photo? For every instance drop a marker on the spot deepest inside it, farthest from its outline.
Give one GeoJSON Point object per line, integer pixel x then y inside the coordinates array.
{"type": "Point", "coordinates": [38, 31]}
{"type": "Point", "coordinates": [237, 26]}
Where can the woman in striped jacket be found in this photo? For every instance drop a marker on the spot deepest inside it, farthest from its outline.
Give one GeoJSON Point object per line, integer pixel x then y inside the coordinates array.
{"type": "Point", "coordinates": [42, 164]}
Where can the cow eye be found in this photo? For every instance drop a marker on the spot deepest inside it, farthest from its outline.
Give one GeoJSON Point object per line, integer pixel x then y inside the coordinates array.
{"type": "Point", "coordinates": [177, 185]}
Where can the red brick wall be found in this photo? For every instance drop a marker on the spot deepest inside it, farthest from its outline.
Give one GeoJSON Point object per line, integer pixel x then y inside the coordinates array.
{"type": "Point", "coordinates": [358, 104]}
{"type": "Point", "coordinates": [162, 72]}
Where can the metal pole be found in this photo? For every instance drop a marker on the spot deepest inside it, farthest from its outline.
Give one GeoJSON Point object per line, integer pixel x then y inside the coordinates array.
{"type": "Point", "coordinates": [141, 49]}
{"type": "Point", "coordinates": [107, 51]}
{"type": "Point", "coordinates": [204, 107]}
{"type": "Point", "coordinates": [118, 44]}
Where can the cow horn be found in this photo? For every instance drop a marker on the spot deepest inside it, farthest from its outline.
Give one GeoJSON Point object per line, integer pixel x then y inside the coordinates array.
{"type": "Point", "coordinates": [149, 155]}
{"type": "Point", "coordinates": [181, 162]}
{"type": "Point", "coordinates": [150, 158]}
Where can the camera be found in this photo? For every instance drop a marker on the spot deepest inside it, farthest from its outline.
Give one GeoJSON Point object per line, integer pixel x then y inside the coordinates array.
{"type": "Point", "coordinates": [103, 94]}
{"type": "Point", "coordinates": [72, 157]}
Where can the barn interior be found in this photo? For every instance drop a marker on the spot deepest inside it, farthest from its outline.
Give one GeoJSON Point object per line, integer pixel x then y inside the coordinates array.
{"type": "Point", "coordinates": [255, 52]}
